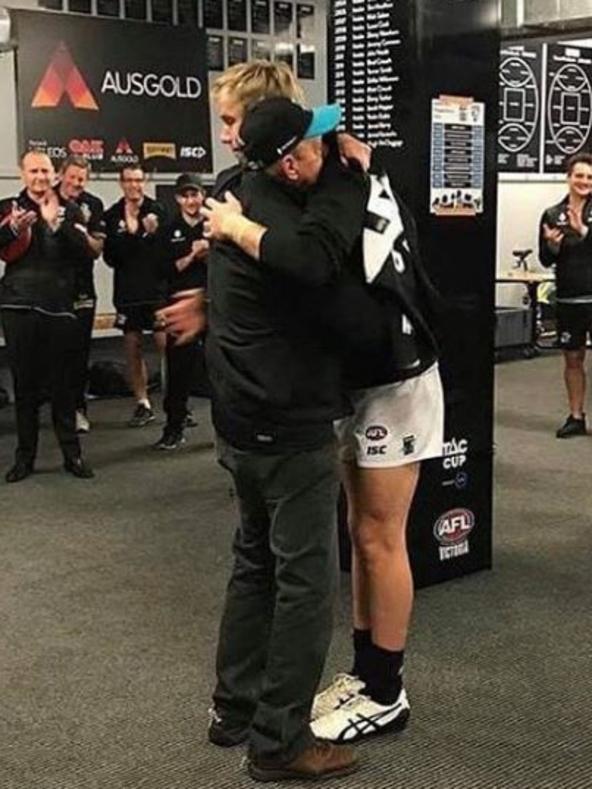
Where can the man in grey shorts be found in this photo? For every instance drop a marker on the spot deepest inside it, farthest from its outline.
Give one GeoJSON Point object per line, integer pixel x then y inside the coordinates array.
{"type": "Point", "coordinates": [396, 394]}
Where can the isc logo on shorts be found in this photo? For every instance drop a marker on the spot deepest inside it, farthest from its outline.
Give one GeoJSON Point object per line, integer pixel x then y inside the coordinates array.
{"type": "Point", "coordinates": [376, 449]}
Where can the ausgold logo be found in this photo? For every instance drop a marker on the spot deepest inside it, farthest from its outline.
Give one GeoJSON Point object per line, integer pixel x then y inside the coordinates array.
{"type": "Point", "coordinates": [62, 77]}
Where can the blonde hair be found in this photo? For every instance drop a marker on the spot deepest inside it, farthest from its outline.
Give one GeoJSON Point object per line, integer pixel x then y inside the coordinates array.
{"type": "Point", "coordinates": [256, 80]}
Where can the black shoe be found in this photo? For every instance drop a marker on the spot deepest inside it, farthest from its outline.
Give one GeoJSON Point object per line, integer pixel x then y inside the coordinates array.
{"type": "Point", "coordinates": [572, 427]}
{"type": "Point", "coordinates": [225, 736]}
{"type": "Point", "coordinates": [78, 468]}
{"type": "Point", "coordinates": [170, 439]}
{"type": "Point", "coordinates": [190, 420]}
{"type": "Point", "coordinates": [19, 471]}
{"type": "Point", "coordinates": [141, 416]}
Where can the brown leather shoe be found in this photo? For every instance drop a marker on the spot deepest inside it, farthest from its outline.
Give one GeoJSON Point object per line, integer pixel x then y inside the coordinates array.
{"type": "Point", "coordinates": [320, 760]}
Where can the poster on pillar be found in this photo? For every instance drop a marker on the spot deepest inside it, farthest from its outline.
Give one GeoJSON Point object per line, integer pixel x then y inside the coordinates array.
{"type": "Point", "coordinates": [520, 108]}
{"type": "Point", "coordinates": [457, 156]}
{"type": "Point", "coordinates": [110, 91]}
{"type": "Point", "coordinates": [568, 128]}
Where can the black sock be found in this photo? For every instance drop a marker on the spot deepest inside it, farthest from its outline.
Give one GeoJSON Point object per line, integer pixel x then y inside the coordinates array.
{"type": "Point", "coordinates": [382, 673]}
{"type": "Point", "coordinates": [362, 642]}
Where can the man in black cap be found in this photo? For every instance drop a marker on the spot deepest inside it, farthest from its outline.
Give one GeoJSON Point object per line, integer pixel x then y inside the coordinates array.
{"type": "Point", "coordinates": [395, 389]}
{"type": "Point", "coordinates": [276, 391]}
{"type": "Point", "coordinates": [184, 256]}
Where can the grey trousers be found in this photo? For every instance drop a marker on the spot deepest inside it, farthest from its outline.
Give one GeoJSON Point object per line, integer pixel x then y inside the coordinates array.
{"type": "Point", "coordinates": [277, 620]}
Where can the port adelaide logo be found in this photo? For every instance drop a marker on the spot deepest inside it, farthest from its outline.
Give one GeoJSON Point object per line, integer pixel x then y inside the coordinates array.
{"type": "Point", "coordinates": [451, 531]}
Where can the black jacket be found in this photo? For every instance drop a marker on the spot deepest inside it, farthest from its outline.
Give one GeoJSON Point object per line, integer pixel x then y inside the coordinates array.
{"type": "Point", "coordinates": [382, 327]}
{"type": "Point", "coordinates": [574, 260]}
{"type": "Point", "coordinates": [177, 238]}
{"type": "Point", "coordinates": [92, 210]}
{"type": "Point", "coordinates": [228, 180]}
{"type": "Point", "coordinates": [44, 277]}
{"type": "Point", "coordinates": [135, 257]}
{"type": "Point", "coordinates": [276, 384]}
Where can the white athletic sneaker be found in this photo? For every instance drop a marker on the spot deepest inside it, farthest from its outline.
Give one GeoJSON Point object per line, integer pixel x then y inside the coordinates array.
{"type": "Point", "coordinates": [360, 716]}
{"type": "Point", "coordinates": [82, 423]}
{"type": "Point", "coordinates": [342, 687]}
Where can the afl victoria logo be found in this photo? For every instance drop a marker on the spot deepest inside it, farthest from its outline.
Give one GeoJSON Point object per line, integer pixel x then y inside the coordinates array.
{"type": "Point", "coordinates": [454, 526]}
{"type": "Point", "coordinates": [376, 433]}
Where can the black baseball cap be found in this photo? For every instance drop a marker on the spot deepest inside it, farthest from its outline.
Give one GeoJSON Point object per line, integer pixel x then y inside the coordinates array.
{"type": "Point", "coordinates": [188, 181]}
{"type": "Point", "coordinates": [274, 127]}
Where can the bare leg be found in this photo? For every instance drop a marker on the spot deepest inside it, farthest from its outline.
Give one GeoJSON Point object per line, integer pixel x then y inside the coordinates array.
{"type": "Point", "coordinates": [575, 380]}
{"type": "Point", "coordinates": [136, 366]}
{"type": "Point", "coordinates": [378, 504]}
{"type": "Point", "coordinates": [160, 342]}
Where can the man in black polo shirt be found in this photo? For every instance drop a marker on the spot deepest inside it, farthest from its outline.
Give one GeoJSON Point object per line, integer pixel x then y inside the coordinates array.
{"type": "Point", "coordinates": [37, 309]}
{"type": "Point", "coordinates": [132, 249]}
{"type": "Point", "coordinates": [73, 179]}
{"type": "Point", "coordinates": [184, 253]}
{"type": "Point", "coordinates": [565, 241]}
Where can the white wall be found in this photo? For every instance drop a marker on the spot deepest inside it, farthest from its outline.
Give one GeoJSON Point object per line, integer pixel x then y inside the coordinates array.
{"type": "Point", "coordinates": [520, 205]}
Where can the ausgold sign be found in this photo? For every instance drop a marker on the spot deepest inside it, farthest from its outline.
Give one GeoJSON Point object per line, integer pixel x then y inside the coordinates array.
{"type": "Point", "coordinates": [168, 86]}
{"type": "Point", "coordinates": [104, 89]}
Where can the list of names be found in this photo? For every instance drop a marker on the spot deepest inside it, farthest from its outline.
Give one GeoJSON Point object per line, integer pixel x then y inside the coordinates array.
{"type": "Point", "coordinates": [368, 42]}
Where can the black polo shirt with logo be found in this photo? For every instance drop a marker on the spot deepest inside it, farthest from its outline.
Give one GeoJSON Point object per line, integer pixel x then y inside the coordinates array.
{"type": "Point", "coordinates": [177, 239]}
{"type": "Point", "coordinates": [135, 257]}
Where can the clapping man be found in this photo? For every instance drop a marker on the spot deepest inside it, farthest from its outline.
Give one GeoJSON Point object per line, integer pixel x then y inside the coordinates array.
{"type": "Point", "coordinates": [37, 310]}
{"type": "Point", "coordinates": [133, 250]}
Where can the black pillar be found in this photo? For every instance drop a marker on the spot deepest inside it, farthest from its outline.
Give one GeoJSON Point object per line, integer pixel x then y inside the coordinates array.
{"type": "Point", "coordinates": [389, 62]}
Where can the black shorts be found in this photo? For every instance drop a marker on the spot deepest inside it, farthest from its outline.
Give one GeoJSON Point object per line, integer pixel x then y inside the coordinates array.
{"type": "Point", "coordinates": [574, 324]}
{"type": "Point", "coordinates": [140, 317]}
